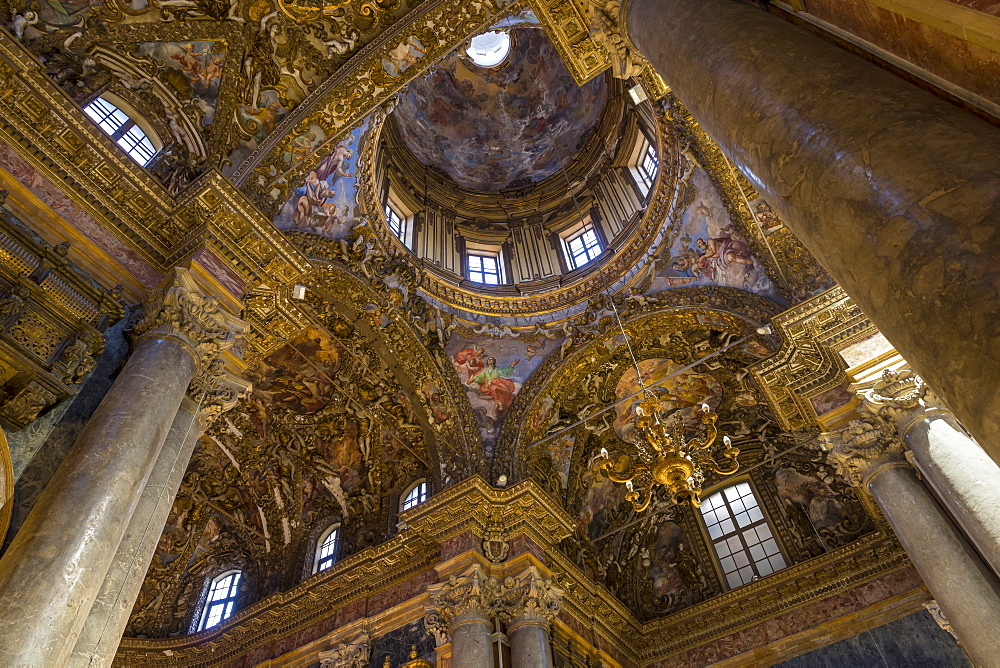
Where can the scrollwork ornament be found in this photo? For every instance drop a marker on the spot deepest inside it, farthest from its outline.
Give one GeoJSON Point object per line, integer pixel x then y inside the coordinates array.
{"type": "Point", "coordinates": [473, 593]}
{"type": "Point", "coordinates": [495, 545]}
{"type": "Point", "coordinates": [865, 448]}
{"type": "Point", "coordinates": [348, 654]}
{"type": "Point", "coordinates": [182, 309]}
{"type": "Point", "coordinates": [530, 597]}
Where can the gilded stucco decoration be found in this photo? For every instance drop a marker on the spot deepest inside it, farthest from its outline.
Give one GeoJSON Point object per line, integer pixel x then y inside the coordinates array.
{"type": "Point", "coordinates": [584, 399]}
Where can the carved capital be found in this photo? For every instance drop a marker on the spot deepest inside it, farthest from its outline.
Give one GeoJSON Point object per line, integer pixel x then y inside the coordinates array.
{"type": "Point", "coordinates": [472, 594]}
{"type": "Point", "coordinates": [867, 446]}
{"type": "Point", "coordinates": [215, 390]}
{"type": "Point", "coordinates": [183, 309]}
{"type": "Point", "coordinates": [608, 29]}
{"type": "Point", "coordinates": [529, 597]}
{"type": "Point", "coordinates": [901, 396]}
{"type": "Point", "coordinates": [348, 654]}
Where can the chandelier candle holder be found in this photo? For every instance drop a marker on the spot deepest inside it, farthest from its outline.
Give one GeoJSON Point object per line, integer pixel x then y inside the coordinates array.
{"type": "Point", "coordinates": [664, 457]}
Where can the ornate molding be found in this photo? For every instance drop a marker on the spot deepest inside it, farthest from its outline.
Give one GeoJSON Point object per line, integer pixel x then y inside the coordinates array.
{"type": "Point", "coordinates": [352, 653]}
{"type": "Point", "coordinates": [216, 390]}
{"type": "Point", "coordinates": [807, 363]}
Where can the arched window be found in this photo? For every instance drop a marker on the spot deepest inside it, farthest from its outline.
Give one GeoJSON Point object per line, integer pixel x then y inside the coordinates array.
{"type": "Point", "coordinates": [123, 129]}
{"type": "Point", "coordinates": [326, 549]}
{"type": "Point", "coordinates": [744, 544]}
{"type": "Point", "coordinates": [221, 599]}
{"type": "Point", "coordinates": [416, 495]}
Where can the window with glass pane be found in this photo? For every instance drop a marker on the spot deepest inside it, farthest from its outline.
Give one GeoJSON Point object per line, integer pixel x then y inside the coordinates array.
{"type": "Point", "coordinates": [221, 599]}
{"type": "Point", "coordinates": [326, 553]}
{"type": "Point", "coordinates": [648, 166]}
{"type": "Point", "coordinates": [484, 268]}
{"type": "Point", "coordinates": [397, 224]}
{"type": "Point", "coordinates": [583, 247]}
{"type": "Point", "coordinates": [740, 534]}
{"type": "Point", "coordinates": [416, 496]}
{"type": "Point", "coordinates": [122, 129]}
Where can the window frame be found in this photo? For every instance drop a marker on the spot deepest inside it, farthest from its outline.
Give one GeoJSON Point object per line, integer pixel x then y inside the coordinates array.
{"type": "Point", "coordinates": [319, 558]}
{"type": "Point", "coordinates": [572, 257]}
{"type": "Point", "coordinates": [643, 152]}
{"type": "Point", "coordinates": [495, 256]}
{"type": "Point", "coordinates": [228, 603]}
{"type": "Point", "coordinates": [391, 214]}
{"type": "Point", "coordinates": [738, 532]}
{"type": "Point", "coordinates": [129, 134]}
{"type": "Point", "coordinates": [423, 492]}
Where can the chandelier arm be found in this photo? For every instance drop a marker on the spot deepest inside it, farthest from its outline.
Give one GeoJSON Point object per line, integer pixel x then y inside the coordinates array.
{"type": "Point", "coordinates": [648, 498]}
{"type": "Point", "coordinates": [705, 441]}
{"type": "Point", "coordinates": [725, 471]}
{"type": "Point", "coordinates": [621, 475]}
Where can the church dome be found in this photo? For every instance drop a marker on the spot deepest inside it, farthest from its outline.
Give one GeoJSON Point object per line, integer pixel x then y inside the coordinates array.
{"type": "Point", "coordinates": [489, 128]}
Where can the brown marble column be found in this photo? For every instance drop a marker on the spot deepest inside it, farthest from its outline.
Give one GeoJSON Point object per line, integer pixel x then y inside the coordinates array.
{"type": "Point", "coordinates": [896, 192]}
{"type": "Point", "coordinates": [462, 609]}
{"type": "Point", "coordinates": [965, 479]}
{"type": "Point", "coordinates": [870, 455]}
{"type": "Point", "coordinates": [56, 565]}
{"type": "Point", "coordinates": [531, 602]}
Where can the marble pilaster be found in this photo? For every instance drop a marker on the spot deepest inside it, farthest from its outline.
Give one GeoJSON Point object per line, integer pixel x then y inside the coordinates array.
{"type": "Point", "coordinates": [893, 189]}
{"type": "Point", "coordinates": [55, 567]}
{"type": "Point", "coordinates": [870, 455]}
{"type": "Point", "coordinates": [530, 602]}
{"type": "Point", "coordinates": [462, 608]}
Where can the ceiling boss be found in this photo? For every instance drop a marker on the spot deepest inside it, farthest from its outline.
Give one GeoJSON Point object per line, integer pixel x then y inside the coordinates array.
{"type": "Point", "coordinates": [664, 457]}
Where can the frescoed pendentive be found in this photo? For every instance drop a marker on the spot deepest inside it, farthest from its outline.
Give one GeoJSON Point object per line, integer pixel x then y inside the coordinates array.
{"type": "Point", "coordinates": [325, 204]}
{"type": "Point", "coordinates": [710, 249]}
{"type": "Point", "coordinates": [493, 372]}
{"type": "Point", "coordinates": [193, 69]}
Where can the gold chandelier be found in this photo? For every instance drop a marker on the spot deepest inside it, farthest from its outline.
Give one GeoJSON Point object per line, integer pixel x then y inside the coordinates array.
{"type": "Point", "coordinates": [664, 457]}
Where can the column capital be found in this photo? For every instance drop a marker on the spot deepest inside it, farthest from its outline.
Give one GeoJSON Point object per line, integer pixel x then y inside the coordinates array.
{"type": "Point", "coordinates": [473, 594]}
{"type": "Point", "coordinates": [902, 397]}
{"type": "Point", "coordinates": [181, 309]}
{"type": "Point", "coordinates": [529, 597]}
{"type": "Point", "coordinates": [215, 390]}
{"type": "Point", "coordinates": [608, 28]}
{"type": "Point", "coordinates": [865, 448]}
{"type": "Point", "coordinates": [352, 653]}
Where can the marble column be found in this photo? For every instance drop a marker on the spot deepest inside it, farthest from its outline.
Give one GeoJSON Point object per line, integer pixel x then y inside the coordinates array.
{"type": "Point", "coordinates": [964, 477]}
{"type": "Point", "coordinates": [55, 567]}
{"type": "Point", "coordinates": [894, 190]}
{"type": "Point", "coordinates": [210, 393]}
{"type": "Point", "coordinates": [870, 455]}
{"type": "Point", "coordinates": [462, 609]}
{"type": "Point", "coordinates": [530, 603]}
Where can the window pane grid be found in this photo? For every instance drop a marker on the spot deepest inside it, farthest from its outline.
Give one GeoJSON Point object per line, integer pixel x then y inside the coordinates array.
{"type": "Point", "coordinates": [742, 539]}
{"type": "Point", "coordinates": [395, 223]}
{"type": "Point", "coordinates": [484, 269]}
{"type": "Point", "coordinates": [122, 129]}
{"type": "Point", "coordinates": [648, 166]}
{"type": "Point", "coordinates": [221, 600]}
{"type": "Point", "coordinates": [584, 247]}
{"type": "Point", "coordinates": [328, 551]}
{"type": "Point", "coordinates": [416, 496]}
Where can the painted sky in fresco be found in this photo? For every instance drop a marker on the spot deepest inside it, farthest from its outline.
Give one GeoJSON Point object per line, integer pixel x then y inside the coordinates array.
{"type": "Point", "coordinates": [491, 387]}
{"type": "Point", "coordinates": [325, 203]}
{"type": "Point", "coordinates": [488, 128]}
{"type": "Point", "coordinates": [710, 250]}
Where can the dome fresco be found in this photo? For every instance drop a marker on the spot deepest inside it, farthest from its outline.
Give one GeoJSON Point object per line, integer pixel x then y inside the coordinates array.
{"type": "Point", "coordinates": [490, 128]}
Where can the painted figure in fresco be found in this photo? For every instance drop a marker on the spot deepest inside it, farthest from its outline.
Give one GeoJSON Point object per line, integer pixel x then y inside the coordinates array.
{"type": "Point", "coordinates": [814, 496]}
{"type": "Point", "coordinates": [189, 62]}
{"type": "Point", "coordinates": [403, 56]}
{"type": "Point", "coordinates": [766, 219]}
{"type": "Point", "coordinates": [299, 148]}
{"type": "Point", "coordinates": [260, 121]}
{"type": "Point", "coordinates": [468, 363]}
{"type": "Point", "coordinates": [495, 383]}
{"type": "Point", "coordinates": [720, 252]}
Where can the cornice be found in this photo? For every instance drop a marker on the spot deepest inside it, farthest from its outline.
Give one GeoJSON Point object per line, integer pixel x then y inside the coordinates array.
{"type": "Point", "coordinates": [52, 133]}
{"type": "Point", "coordinates": [522, 509]}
